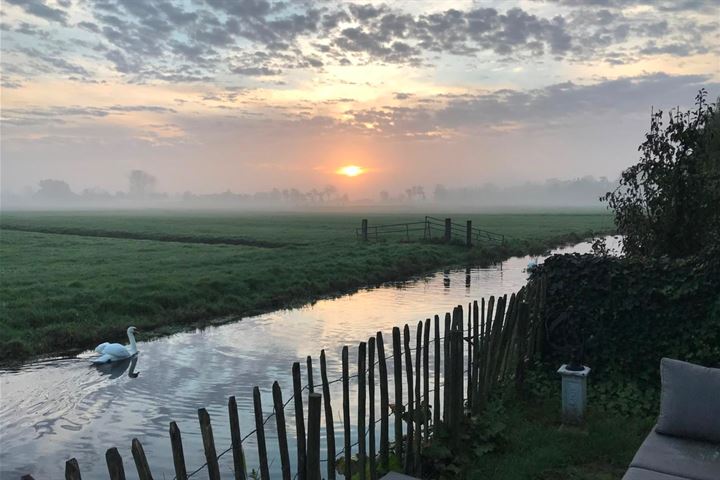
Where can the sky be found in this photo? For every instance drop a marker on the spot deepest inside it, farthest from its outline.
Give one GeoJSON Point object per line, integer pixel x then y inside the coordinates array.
{"type": "Point", "coordinates": [247, 95]}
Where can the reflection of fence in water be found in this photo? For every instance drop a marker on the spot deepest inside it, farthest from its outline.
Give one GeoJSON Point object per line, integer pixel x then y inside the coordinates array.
{"type": "Point", "coordinates": [501, 335]}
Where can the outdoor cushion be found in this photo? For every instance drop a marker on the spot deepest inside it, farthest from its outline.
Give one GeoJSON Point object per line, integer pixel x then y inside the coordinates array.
{"type": "Point", "coordinates": [635, 473]}
{"type": "Point", "coordinates": [689, 401]}
{"type": "Point", "coordinates": [678, 456]}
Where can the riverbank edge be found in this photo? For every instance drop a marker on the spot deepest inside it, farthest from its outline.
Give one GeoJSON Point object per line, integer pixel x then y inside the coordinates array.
{"type": "Point", "coordinates": [14, 358]}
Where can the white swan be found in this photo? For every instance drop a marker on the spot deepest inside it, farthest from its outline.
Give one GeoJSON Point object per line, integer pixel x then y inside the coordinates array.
{"type": "Point", "coordinates": [112, 352]}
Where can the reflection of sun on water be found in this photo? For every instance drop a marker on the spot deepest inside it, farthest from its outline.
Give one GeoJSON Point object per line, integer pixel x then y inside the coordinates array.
{"type": "Point", "coordinates": [350, 171]}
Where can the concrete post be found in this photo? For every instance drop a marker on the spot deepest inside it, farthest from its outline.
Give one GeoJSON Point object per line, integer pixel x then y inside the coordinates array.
{"type": "Point", "coordinates": [365, 229]}
{"type": "Point", "coordinates": [448, 229]}
{"type": "Point", "coordinates": [574, 394]}
{"type": "Point", "coordinates": [468, 233]}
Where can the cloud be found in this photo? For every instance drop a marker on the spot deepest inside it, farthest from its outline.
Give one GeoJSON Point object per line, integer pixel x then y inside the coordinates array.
{"type": "Point", "coordinates": [62, 114]}
{"type": "Point", "coordinates": [538, 108]}
{"type": "Point", "coordinates": [179, 41]}
{"type": "Point", "coordinates": [39, 9]}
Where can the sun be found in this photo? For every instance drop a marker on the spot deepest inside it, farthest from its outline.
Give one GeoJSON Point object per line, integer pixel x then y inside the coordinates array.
{"type": "Point", "coordinates": [350, 170]}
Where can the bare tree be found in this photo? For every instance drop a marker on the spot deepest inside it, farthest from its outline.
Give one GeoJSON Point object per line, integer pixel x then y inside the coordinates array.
{"type": "Point", "coordinates": [142, 184]}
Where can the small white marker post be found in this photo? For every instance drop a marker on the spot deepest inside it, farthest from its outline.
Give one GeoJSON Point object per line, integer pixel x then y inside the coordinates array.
{"type": "Point", "coordinates": [574, 394]}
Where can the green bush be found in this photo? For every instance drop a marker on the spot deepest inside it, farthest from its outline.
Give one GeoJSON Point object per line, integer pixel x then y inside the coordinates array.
{"type": "Point", "coordinates": [628, 313]}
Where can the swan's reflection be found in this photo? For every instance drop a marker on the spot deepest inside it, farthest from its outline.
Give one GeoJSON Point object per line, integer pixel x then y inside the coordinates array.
{"type": "Point", "coordinates": [117, 369]}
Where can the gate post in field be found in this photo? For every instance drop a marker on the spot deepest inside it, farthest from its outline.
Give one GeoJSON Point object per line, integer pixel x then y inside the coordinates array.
{"type": "Point", "coordinates": [448, 229]}
{"type": "Point", "coordinates": [364, 229]}
{"type": "Point", "coordinates": [468, 233]}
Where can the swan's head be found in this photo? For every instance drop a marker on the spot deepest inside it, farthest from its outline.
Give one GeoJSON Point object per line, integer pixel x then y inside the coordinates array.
{"type": "Point", "coordinates": [131, 330]}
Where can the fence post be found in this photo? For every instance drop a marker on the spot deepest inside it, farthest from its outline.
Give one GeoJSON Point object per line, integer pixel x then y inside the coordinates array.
{"type": "Point", "coordinates": [141, 463]}
{"type": "Point", "coordinates": [114, 464]}
{"type": "Point", "coordinates": [469, 355]}
{"type": "Point", "coordinates": [279, 407]}
{"type": "Point", "coordinates": [426, 376]}
{"type": "Point", "coordinates": [329, 424]}
{"type": "Point", "coordinates": [397, 369]}
{"type": "Point", "coordinates": [384, 406]}
{"type": "Point", "coordinates": [475, 356]}
{"type": "Point", "coordinates": [177, 450]}
{"type": "Point", "coordinates": [346, 413]}
{"type": "Point", "coordinates": [460, 366]}
{"type": "Point", "coordinates": [72, 470]}
{"type": "Point", "coordinates": [448, 229]}
{"type": "Point", "coordinates": [447, 371]}
{"type": "Point", "coordinates": [436, 383]}
{"type": "Point", "coordinates": [418, 399]}
{"type": "Point", "coordinates": [236, 439]}
{"type": "Point", "coordinates": [364, 229]}
{"type": "Point", "coordinates": [408, 464]}
{"type": "Point", "coordinates": [362, 454]}
{"type": "Point", "coordinates": [371, 410]}
{"type": "Point", "coordinates": [311, 387]}
{"type": "Point", "coordinates": [299, 420]}
{"type": "Point", "coordinates": [260, 434]}
{"type": "Point", "coordinates": [209, 444]}
{"type": "Point", "coordinates": [468, 233]}
{"type": "Point", "coordinates": [313, 441]}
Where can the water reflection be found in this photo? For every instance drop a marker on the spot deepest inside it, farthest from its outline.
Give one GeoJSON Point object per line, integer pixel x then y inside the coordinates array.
{"type": "Point", "coordinates": [60, 408]}
{"type": "Point", "coordinates": [117, 369]}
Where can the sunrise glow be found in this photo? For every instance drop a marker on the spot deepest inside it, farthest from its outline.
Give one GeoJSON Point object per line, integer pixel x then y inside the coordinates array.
{"type": "Point", "coordinates": [350, 171]}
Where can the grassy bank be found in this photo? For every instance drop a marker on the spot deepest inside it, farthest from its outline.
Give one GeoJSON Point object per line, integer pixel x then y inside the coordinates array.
{"type": "Point", "coordinates": [99, 272]}
{"type": "Point", "coordinates": [538, 447]}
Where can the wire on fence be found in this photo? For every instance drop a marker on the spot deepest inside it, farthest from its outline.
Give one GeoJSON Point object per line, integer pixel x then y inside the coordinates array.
{"type": "Point", "coordinates": [319, 385]}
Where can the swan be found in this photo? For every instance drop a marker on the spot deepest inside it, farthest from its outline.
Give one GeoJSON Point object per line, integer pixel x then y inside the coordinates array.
{"type": "Point", "coordinates": [112, 352]}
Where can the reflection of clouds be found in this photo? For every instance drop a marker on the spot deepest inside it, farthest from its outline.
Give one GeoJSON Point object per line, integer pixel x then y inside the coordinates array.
{"type": "Point", "coordinates": [53, 410]}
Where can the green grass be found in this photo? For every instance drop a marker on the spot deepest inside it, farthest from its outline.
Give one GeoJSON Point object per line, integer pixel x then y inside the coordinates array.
{"type": "Point", "coordinates": [165, 271]}
{"type": "Point", "coordinates": [539, 448]}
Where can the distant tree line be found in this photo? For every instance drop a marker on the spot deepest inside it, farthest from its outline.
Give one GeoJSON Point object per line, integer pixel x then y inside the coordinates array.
{"type": "Point", "coordinates": [142, 189]}
{"type": "Point", "coordinates": [552, 192]}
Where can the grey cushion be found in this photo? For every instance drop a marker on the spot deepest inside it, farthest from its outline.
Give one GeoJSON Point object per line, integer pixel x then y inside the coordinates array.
{"type": "Point", "coordinates": [689, 401]}
{"type": "Point", "coordinates": [678, 456]}
{"type": "Point", "coordinates": [635, 473]}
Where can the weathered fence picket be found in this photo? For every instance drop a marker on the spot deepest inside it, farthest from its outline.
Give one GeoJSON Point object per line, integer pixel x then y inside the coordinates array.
{"type": "Point", "coordinates": [236, 439]}
{"type": "Point", "coordinates": [279, 408]}
{"type": "Point", "coordinates": [260, 435]}
{"type": "Point", "coordinates": [313, 440]}
{"type": "Point", "coordinates": [177, 451]}
{"type": "Point", "coordinates": [114, 464]}
{"type": "Point", "coordinates": [398, 410]}
{"type": "Point", "coordinates": [362, 454]}
{"type": "Point", "coordinates": [141, 463]}
{"type": "Point", "coordinates": [384, 406]}
{"type": "Point", "coordinates": [209, 444]}
{"type": "Point", "coordinates": [299, 421]}
{"type": "Point", "coordinates": [372, 457]}
{"type": "Point", "coordinates": [72, 470]}
{"type": "Point", "coordinates": [426, 377]}
{"type": "Point", "coordinates": [346, 413]}
{"type": "Point", "coordinates": [329, 422]}
{"type": "Point", "coordinates": [417, 439]}
{"type": "Point", "coordinates": [408, 460]}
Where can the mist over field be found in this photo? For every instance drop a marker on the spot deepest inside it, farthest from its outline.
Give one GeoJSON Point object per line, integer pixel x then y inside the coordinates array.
{"type": "Point", "coordinates": [142, 193]}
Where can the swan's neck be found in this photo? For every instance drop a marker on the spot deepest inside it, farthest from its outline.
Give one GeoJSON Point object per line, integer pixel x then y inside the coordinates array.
{"type": "Point", "coordinates": [133, 346]}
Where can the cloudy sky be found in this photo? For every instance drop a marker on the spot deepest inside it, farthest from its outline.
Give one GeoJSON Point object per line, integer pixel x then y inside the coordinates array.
{"type": "Point", "coordinates": [209, 95]}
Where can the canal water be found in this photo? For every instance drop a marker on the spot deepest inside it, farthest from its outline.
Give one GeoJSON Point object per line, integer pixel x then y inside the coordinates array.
{"type": "Point", "coordinates": [60, 408]}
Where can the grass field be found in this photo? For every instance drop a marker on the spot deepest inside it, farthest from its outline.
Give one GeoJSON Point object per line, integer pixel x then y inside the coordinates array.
{"type": "Point", "coordinates": [70, 279]}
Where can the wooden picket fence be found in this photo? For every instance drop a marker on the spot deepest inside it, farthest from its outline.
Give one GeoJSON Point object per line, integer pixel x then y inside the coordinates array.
{"type": "Point", "coordinates": [477, 352]}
